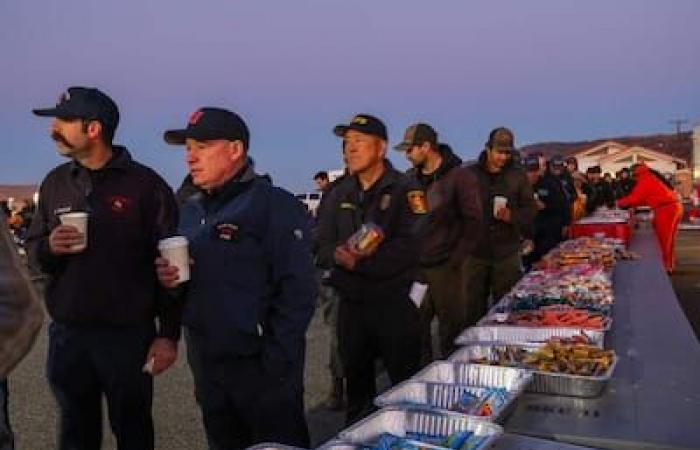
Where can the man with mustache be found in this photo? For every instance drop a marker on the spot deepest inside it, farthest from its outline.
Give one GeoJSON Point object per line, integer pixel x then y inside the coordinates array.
{"type": "Point", "coordinates": [103, 297]}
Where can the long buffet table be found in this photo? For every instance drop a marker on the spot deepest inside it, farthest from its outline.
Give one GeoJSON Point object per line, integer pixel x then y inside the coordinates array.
{"type": "Point", "coordinates": [653, 399]}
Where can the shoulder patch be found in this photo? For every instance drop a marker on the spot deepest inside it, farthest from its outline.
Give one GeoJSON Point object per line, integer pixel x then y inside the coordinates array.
{"type": "Point", "coordinates": [417, 201]}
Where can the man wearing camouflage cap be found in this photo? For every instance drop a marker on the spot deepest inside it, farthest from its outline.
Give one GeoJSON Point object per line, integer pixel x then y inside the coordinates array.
{"type": "Point", "coordinates": [494, 264]}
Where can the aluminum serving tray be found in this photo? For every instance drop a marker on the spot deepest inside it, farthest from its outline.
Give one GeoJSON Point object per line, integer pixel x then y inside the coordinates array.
{"type": "Point", "coordinates": [544, 382]}
{"type": "Point", "coordinates": [514, 334]}
{"type": "Point", "coordinates": [440, 396]}
{"type": "Point", "coordinates": [399, 421]}
{"type": "Point", "coordinates": [272, 446]}
{"type": "Point", "coordinates": [475, 375]}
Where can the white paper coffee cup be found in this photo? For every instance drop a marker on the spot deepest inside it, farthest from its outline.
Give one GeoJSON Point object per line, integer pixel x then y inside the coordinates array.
{"type": "Point", "coordinates": [78, 220]}
{"type": "Point", "coordinates": [174, 249]}
{"type": "Point", "coordinates": [499, 202]}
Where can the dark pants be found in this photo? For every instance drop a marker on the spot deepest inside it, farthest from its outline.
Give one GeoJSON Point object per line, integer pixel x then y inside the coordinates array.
{"type": "Point", "coordinates": [379, 327]}
{"type": "Point", "coordinates": [244, 403]}
{"type": "Point", "coordinates": [83, 364]}
{"type": "Point", "coordinates": [489, 279]}
{"type": "Point", "coordinates": [330, 303]}
{"type": "Point", "coordinates": [447, 299]}
{"type": "Point", "coordinates": [7, 439]}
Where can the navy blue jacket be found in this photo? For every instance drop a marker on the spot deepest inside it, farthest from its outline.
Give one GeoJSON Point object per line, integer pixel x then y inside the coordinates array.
{"type": "Point", "coordinates": [252, 289]}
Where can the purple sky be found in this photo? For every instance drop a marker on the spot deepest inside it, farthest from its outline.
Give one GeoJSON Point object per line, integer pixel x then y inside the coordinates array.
{"type": "Point", "coordinates": [549, 69]}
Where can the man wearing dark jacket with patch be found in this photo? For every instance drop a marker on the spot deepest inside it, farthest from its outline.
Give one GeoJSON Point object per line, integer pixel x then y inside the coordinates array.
{"type": "Point", "coordinates": [446, 296]}
{"type": "Point", "coordinates": [377, 317]}
{"type": "Point", "coordinates": [103, 295]}
{"type": "Point", "coordinates": [494, 265]}
{"type": "Point", "coordinates": [252, 289]}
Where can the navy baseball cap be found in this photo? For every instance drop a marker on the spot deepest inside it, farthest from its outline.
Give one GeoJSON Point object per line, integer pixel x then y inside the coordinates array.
{"type": "Point", "coordinates": [209, 123]}
{"type": "Point", "coordinates": [364, 123]}
{"type": "Point", "coordinates": [84, 103]}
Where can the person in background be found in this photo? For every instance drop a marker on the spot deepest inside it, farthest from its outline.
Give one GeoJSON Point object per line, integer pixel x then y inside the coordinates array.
{"type": "Point", "coordinates": [494, 264]}
{"type": "Point", "coordinates": [624, 183]}
{"type": "Point", "coordinates": [652, 190]}
{"type": "Point", "coordinates": [446, 297]}
{"type": "Point", "coordinates": [21, 317]}
{"type": "Point", "coordinates": [599, 193]}
{"type": "Point", "coordinates": [103, 297]}
{"type": "Point", "coordinates": [377, 317]}
{"type": "Point", "coordinates": [322, 181]}
{"type": "Point", "coordinates": [252, 289]}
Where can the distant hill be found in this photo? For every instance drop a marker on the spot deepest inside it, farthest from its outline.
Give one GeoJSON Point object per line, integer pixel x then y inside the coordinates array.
{"type": "Point", "coordinates": [679, 146]}
{"type": "Point", "coordinates": [19, 192]}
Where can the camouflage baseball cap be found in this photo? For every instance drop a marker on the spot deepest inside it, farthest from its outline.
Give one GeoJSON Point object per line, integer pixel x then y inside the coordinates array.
{"type": "Point", "coordinates": [417, 134]}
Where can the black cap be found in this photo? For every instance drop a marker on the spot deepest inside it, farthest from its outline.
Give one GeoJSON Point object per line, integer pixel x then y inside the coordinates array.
{"type": "Point", "coordinates": [501, 138]}
{"type": "Point", "coordinates": [364, 123]}
{"type": "Point", "coordinates": [207, 124]}
{"type": "Point", "coordinates": [87, 104]}
{"type": "Point", "coordinates": [557, 161]}
{"type": "Point", "coordinates": [418, 134]}
{"type": "Point", "coordinates": [594, 169]}
{"type": "Point", "coordinates": [532, 162]}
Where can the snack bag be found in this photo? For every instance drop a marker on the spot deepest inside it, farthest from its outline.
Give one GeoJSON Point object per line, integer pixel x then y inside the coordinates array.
{"type": "Point", "coordinates": [366, 238]}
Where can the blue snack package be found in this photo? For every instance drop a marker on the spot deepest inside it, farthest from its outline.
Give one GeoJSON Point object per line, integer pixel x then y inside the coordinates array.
{"type": "Point", "coordinates": [466, 404]}
{"type": "Point", "coordinates": [456, 440]}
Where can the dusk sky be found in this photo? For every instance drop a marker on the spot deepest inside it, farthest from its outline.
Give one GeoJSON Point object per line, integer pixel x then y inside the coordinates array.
{"type": "Point", "coordinates": [552, 70]}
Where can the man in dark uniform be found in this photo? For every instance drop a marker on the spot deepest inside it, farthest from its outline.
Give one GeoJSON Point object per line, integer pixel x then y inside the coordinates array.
{"type": "Point", "coordinates": [252, 289]}
{"type": "Point", "coordinates": [598, 192]}
{"type": "Point", "coordinates": [446, 296]}
{"type": "Point", "coordinates": [553, 209]}
{"type": "Point", "coordinates": [377, 318]}
{"type": "Point", "coordinates": [494, 265]}
{"type": "Point", "coordinates": [103, 297]}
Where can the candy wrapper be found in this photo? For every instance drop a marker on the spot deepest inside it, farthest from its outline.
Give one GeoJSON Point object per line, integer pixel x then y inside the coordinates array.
{"type": "Point", "coordinates": [367, 237]}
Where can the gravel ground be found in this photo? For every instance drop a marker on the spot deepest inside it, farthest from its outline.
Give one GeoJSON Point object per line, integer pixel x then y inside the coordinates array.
{"type": "Point", "coordinates": [33, 411]}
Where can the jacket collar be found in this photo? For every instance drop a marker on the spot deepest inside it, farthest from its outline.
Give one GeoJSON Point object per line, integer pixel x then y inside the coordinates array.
{"type": "Point", "coordinates": [121, 158]}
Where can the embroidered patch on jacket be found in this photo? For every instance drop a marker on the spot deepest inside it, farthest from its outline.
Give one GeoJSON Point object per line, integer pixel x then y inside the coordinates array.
{"type": "Point", "coordinates": [227, 231]}
{"type": "Point", "coordinates": [417, 202]}
{"type": "Point", "coordinates": [385, 202]}
{"type": "Point", "coordinates": [119, 204]}
{"type": "Point", "coordinates": [346, 205]}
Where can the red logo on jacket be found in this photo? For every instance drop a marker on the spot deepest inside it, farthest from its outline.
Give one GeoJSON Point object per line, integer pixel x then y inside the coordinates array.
{"type": "Point", "coordinates": [119, 204]}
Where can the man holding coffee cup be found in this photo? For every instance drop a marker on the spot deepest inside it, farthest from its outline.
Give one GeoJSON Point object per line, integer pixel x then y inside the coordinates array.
{"type": "Point", "coordinates": [493, 265]}
{"type": "Point", "coordinates": [251, 292]}
{"type": "Point", "coordinates": [95, 234]}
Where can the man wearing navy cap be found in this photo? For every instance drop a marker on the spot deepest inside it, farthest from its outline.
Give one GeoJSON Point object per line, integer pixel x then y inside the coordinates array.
{"type": "Point", "coordinates": [377, 318]}
{"type": "Point", "coordinates": [252, 289]}
{"type": "Point", "coordinates": [104, 296]}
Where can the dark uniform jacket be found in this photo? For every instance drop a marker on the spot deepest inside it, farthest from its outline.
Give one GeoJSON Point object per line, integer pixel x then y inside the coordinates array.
{"type": "Point", "coordinates": [497, 239]}
{"type": "Point", "coordinates": [113, 281]}
{"type": "Point", "coordinates": [557, 211]}
{"type": "Point", "coordinates": [454, 211]}
{"type": "Point", "coordinates": [391, 270]}
{"type": "Point", "coordinates": [252, 289]}
{"type": "Point", "coordinates": [599, 194]}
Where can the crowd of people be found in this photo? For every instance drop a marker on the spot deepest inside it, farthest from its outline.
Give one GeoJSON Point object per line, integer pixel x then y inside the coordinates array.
{"type": "Point", "coordinates": [394, 251]}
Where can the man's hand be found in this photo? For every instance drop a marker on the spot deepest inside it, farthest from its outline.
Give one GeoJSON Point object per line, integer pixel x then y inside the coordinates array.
{"type": "Point", "coordinates": [163, 353]}
{"type": "Point", "coordinates": [540, 204]}
{"type": "Point", "coordinates": [64, 239]}
{"type": "Point", "coordinates": [504, 214]}
{"type": "Point", "coordinates": [345, 257]}
{"type": "Point", "coordinates": [167, 274]}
